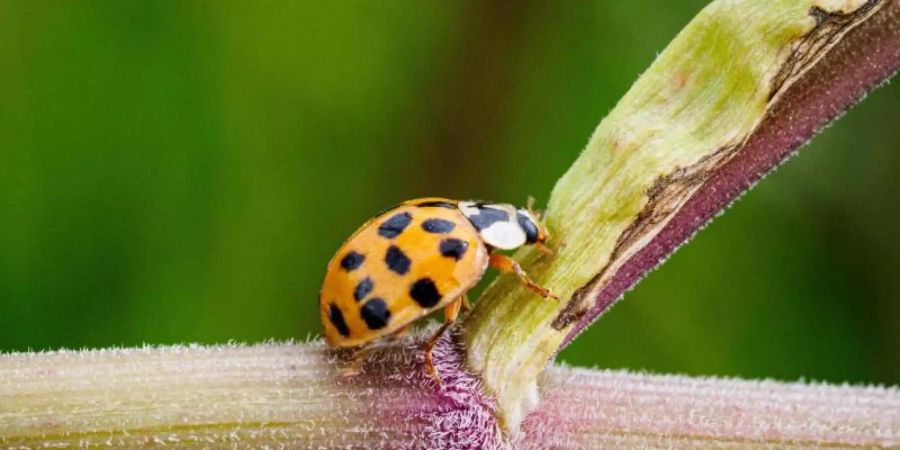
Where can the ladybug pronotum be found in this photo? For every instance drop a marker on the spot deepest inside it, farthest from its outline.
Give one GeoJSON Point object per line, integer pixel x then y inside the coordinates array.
{"type": "Point", "coordinates": [422, 255]}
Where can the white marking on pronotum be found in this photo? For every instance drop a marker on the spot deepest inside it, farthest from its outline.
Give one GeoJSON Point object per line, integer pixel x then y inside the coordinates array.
{"type": "Point", "coordinates": [502, 234]}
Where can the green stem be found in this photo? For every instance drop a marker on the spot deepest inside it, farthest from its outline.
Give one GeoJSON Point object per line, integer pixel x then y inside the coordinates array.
{"type": "Point", "coordinates": [686, 118]}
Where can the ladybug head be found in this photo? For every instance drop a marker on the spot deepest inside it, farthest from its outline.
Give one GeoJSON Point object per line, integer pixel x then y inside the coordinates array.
{"type": "Point", "coordinates": [534, 233]}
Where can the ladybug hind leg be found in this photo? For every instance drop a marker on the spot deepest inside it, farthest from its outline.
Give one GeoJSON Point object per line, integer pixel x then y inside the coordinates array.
{"type": "Point", "coordinates": [506, 264]}
{"type": "Point", "coordinates": [354, 365]}
{"type": "Point", "coordinates": [357, 361]}
{"type": "Point", "coordinates": [451, 312]}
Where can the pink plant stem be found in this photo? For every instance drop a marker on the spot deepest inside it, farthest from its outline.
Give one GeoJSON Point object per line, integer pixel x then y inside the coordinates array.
{"type": "Point", "coordinates": [283, 395]}
{"type": "Point", "coordinates": [616, 409]}
{"type": "Point", "coordinates": [235, 396]}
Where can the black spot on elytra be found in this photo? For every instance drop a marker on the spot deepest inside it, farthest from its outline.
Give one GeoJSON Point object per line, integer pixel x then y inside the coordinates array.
{"type": "Point", "coordinates": [337, 319]}
{"type": "Point", "coordinates": [437, 204]}
{"type": "Point", "coordinates": [363, 288]}
{"type": "Point", "coordinates": [425, 293]}
{"type": "Point", "coordinates": [392, 227]}
{"type": "Point", "coordinates": [438, 226]}
{"type": "Point", "coordinates": [352, 261]}
{"type": "Point", "coordinates": [529, 227]}
{"type": "Point", "coordinates": [487, 216]}
{"type": "Point", "coordinates": [375, 313]}
{"type": "Point", "coordinates": [453, 248]}
{"type": "Point", "coordinates": [396, 260]}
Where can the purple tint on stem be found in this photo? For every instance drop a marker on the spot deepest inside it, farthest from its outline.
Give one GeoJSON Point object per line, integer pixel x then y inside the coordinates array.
{"type": "Point", "coordinates": [866, 57]}
{"type": "Point", "coordinates": [458, 415]}
{"type": "Point", "coordinates": [465, 417]}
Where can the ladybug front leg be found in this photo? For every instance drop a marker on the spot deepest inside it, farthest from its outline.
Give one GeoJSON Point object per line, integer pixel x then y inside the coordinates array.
{"type": "Point", "coordinates": [504, 263]}
{"type": "Point", "coordinates": [451, 312]}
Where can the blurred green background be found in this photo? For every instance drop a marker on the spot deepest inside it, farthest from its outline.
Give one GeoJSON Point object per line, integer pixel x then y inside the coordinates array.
{"type": "Point", "coordinates": [181, 171]}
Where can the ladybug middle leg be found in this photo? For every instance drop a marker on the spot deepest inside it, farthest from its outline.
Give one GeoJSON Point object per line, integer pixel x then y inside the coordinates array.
{"type": "Point", "coordinates": [466, 306]}
{"type": "Point", "coordinates": [505, 264]}
{"type": "Point", "coordinates": [451, 312]}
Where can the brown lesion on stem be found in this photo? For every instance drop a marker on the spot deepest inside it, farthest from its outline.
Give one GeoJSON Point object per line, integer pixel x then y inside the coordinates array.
{"type": "Point", "coordinates": [667, 194]}
{"type": "Point", "coordinates": [578, 305]}
{"type": "Point", "coordinates": [830, 26]}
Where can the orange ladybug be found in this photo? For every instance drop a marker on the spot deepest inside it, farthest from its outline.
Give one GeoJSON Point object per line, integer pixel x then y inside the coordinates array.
{"type": "Point", "coordinates": [422, 255]}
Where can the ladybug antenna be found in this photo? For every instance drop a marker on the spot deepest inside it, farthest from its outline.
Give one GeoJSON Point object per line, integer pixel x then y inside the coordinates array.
{"type": "Point", "coordinates": [529, 205]}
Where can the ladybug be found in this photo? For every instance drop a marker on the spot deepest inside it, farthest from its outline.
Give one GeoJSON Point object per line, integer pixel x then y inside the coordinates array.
{"type": "Point", "coordinates": [415, 258]}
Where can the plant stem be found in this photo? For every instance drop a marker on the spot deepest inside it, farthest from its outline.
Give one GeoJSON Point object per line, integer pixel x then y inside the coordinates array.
{"type": "Point", "coordinates": [291, 395]}
{"type": "Point", "coordinates": [284, 395]}
{"type": "Point", "coordinates": [608, 409]}
{"type": "Point", "coordinates": [682, 135]}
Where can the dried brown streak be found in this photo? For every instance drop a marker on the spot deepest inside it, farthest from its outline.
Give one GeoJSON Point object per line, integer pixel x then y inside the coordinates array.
{"type": "Point", "coordinates": [664, 198]}
{"type": "Point", "coordinates": [830, 26]}
{"type": "Point", "coordinates": [667, 193]}
{"type": "Point", "coordinates": [670, 192]}
{"type": "Point", "coordinates": [577, 307]}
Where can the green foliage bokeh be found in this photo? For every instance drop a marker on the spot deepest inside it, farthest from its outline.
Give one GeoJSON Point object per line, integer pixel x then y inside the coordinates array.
{"type": "Point", "coordinates": [182, 171]}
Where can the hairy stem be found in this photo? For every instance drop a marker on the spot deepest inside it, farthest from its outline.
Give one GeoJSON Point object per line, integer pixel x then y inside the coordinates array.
{"type": "Point", "coordinates": [283, 395]}
{"type": "Point", "coordinates": [723, 104]}
{"type": "Point", "coordinates": [291, 395]}
{"type": "Point", "coordinates": [607, 409]}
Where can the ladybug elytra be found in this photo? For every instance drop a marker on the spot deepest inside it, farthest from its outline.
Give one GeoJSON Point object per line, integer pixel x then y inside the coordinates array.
{"type": "Point", "coordinates": [420, 256]}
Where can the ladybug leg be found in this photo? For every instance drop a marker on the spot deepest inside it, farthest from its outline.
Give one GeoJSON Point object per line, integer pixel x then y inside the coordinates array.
{"type": "Point", "coordinates": [354, 366]}
{"type": "Point", "coordinates": [466, 306]}
{"type": "Point", "coordinates": [505, 264]}
{"type": "Point", "coordinates": [357, 360]}
{"type": "Point", "coordinates": [450, 314]}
